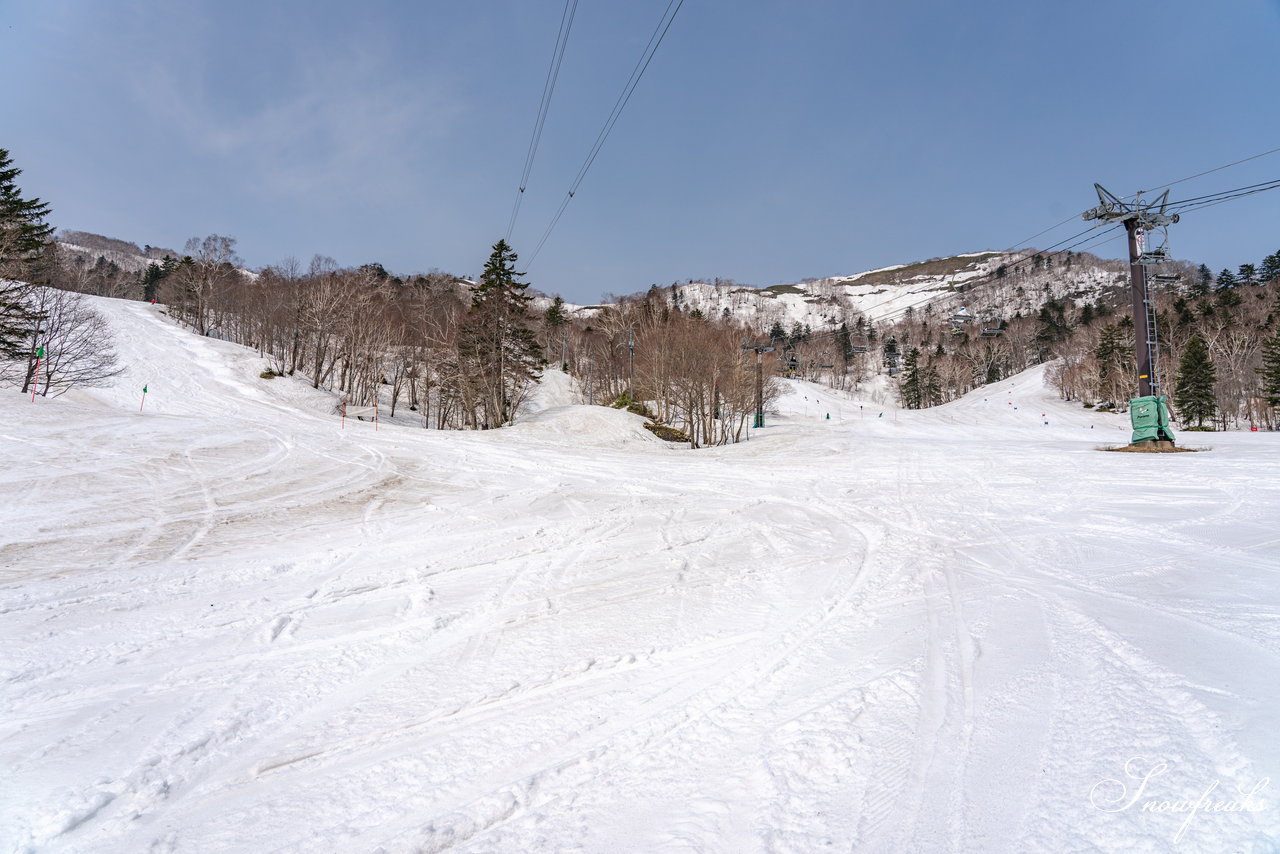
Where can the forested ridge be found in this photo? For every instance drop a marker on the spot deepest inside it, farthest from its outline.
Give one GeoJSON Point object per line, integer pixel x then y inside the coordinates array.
{"type": "Point", "coordinates": [464, 354]}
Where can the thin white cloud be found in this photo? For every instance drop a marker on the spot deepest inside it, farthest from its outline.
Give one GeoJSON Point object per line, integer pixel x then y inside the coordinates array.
{"type": "Point", "coordinates": [343, 121]}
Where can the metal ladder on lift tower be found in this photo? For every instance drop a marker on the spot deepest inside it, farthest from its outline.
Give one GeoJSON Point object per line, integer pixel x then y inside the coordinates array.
{"type": "Point", "coordinates": [1153, 349]}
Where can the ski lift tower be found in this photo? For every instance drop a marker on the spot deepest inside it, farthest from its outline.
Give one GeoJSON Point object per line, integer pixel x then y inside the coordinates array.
{"type": "Point", "coordinates": [1149, 411]}
{"type": "Point", "coordinates": [760, 349]}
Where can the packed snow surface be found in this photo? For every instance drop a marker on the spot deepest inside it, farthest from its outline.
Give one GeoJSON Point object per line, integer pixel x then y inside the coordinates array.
{"type": "Point", "coordinates": [230, 624]}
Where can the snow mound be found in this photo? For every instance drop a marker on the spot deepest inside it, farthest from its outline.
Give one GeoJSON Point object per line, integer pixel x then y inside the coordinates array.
{"type": "Point", "coordinates": [555, 388]}
{"type": "Point", "coordinates": [590, 426]}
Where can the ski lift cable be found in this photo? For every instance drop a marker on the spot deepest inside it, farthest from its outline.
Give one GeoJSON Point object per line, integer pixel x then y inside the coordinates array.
{"type": "Point", "coordinates": [1196, 202]}
{"type": "Point", "coordinates": [544, 106]}
{"type": "Point", "coordinates": [1207, 172]}
{"type": "Point", "coordinates": [1039, 233]}
{"type": "Point", "coordinates": [1153, 189]}
{"type": "Point", "coordinates": [1098, 238]}
{"type": "Point", "coordinates": [646, 57]}
{"type": "Point", "coordinates": [1203, 205]}
{"type": "Point", "coordinates": [641, 66]}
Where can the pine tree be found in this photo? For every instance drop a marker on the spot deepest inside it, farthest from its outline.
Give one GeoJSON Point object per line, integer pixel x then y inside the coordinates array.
{"type": "Point", "coordinates": [1248, 274]}
{"type": "Point", "coordinates": [1228, 298]}
{"type": "Point", "coordinates": [155, 274]}
{"type": "Point", "coordinates": [1052, 328]}
{"type": "Point", "coordinates": [23, 236]}
{"type": "Point", "coordinates": [1226, 279]}
{"type": "Point", "coordinates": [930, 386]}
{"type": "Point", "coordinates": [498, 352]}
{"type": "Point", "coordinates": [1269, 373]}
{"type": "Point", "coordinates": [912, 383]}
{"type": "Point", "coordinates": [845, 342]}
{"type": "Point", "coordinates": [1270, 268]}
{"type": "Point", "coordinates": [555, 316]}
{"type": "Point", "coordinates": [1203, 283]}
{"type": "Point", "coordinates": [1196, 376]}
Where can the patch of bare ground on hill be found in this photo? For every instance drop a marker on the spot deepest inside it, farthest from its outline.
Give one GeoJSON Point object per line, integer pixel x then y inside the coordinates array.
{"type": "Point", "coordinates": [932, 269]}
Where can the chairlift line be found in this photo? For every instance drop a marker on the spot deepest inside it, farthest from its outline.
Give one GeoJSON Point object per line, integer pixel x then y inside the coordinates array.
{"type": "Point", "coordinates": [1091, 237]}
{"type": "Point", "coordinates": [1152, 190]}
{"type": "Point", "coordinates": [548, 89]}
{"type": "Point", "coordinates": [655, 41]}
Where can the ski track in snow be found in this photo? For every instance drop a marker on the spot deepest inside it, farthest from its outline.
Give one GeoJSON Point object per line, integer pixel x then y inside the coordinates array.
{"type": "Point", "coordinates": [231, 625]}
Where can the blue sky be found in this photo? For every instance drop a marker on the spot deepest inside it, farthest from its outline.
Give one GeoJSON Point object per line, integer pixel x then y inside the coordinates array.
{"type": "Point", "coordinates": [768, 141]}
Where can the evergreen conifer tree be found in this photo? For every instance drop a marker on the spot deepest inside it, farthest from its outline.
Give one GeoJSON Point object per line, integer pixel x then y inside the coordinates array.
{"type": "Point", "coordinates": [555, 315]}
{"type": "Point", "coordinates": [1196, 375]}
{"type": "Point", "coordinates": [1203, 283]}
{"type": "Point", "coordinates": [1269, 373]}
{"type": "Point", "coordinates": [930, 386]}
{"type": "Point", "coordinates": [23, 236]}
{"type": "Point", "coordinates": [1052, 327]}
{"type": "Point", "coordinates": [844, 342]}
{"type": "Point", "coordinates": [1270, 268]}
{"type": "Point", "coordinates": [499, 353]}
{"type": "Point", "coordinates": [912, 385]}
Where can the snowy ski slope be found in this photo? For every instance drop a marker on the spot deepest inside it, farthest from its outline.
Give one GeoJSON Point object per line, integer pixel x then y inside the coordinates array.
{"type": "Point", "coordinates": [228, 625]}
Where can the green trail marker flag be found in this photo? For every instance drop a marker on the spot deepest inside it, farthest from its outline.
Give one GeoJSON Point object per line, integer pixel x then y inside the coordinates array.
{"type": "Point", "coordinates": [144, 399]}
{"type": "Point", "coordinates": [35, 377]}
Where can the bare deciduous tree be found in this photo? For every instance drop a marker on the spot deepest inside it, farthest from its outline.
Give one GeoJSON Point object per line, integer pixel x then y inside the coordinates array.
{"type": "Point", "coordinates": [74, 341]}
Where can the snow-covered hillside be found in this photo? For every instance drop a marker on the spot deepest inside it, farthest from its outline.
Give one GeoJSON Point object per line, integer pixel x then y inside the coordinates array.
{"type": "Point", "coordinates": [85, 248]}
{"type": "Point", "coordinates": [942, 285]}
{"type": "Point", "coordinates": [228, 624]}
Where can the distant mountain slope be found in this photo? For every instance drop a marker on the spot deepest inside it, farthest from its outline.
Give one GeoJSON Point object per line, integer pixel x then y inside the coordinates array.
{"type": "Point", "coordinates": [992, 285]}
{"type": "Point", "coordinates": [88, 247]}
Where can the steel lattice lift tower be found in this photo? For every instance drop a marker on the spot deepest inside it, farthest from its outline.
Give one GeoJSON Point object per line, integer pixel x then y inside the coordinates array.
{"type": "Point", "coordinates": [1149, 411]}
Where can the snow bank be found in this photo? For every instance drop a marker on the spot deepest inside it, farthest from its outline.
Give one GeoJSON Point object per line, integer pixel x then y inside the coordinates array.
{"type": "Point", "coordinates": [586, 426]}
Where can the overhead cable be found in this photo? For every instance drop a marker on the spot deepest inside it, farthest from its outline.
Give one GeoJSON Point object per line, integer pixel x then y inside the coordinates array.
{"type": "Point", "coordinates": [655, 41]}
{"type": "Point", "coordinates": [548, 88]}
